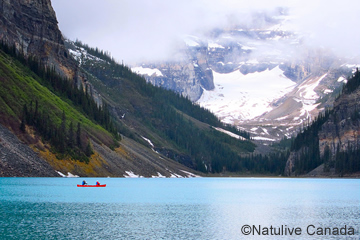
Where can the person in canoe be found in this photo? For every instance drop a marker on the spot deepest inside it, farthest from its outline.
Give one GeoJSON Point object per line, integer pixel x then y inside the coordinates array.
{"type": "Point", "coordinates": [97, 183]}
{"type": "Point", "coordinates": [84, 183]}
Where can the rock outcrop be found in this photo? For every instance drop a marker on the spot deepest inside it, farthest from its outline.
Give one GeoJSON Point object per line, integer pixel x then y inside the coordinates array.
{"type": "Point", "coordinates": [31, 26]}
{"type": "Point", "coordinates": [337, 132]}
{"type": "Point", "coordinates": [188, 77]}
{"type": "Point", "coordinates": [342, 130]}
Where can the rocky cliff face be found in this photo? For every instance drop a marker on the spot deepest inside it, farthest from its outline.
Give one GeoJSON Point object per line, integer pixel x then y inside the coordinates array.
{"type": "Point", "coordinates": [188, 76]}
{"type": "Point", "coordinates": [342, 130]}
{"type": "Point", "coordinates": [180, 77]}
{"type": "Point", "coordinates": [31, 26]}
{"type": "Point", "coordinates": [338, 131]}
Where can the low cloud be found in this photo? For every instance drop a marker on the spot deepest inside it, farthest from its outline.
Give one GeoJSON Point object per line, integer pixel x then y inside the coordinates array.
{"type": "Point", "coordinates": [139, 30]}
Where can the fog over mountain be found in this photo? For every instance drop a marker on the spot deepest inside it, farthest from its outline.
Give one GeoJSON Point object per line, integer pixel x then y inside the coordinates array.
{"type": "Point", "coordinates": [143, 30]}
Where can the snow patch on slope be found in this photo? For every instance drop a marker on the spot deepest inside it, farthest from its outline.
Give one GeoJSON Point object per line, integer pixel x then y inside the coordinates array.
{"type": "Point", "coordinates": [342, 79]}
{"type": "Point", "coordinates": [69, 175]}
{"type": "Point", "coordinates": [306, 95]}
{"type": "Point", "coordinates": [244, 97]}
{"type": "Point", "coordinates": [189, 174]}
{"type": "Point", "coordinates": [307, 88]}
{"type": "Point", "coordinates": [159, 176]}
{"type": "Point", "coordinates": [230, 133]}
{"type": "Point", "coordinates": [258, 138]}
{"type": "Point", "coordinates": [81, 54]}
{"type": "Point", "coordinates": [214, 45]}
{"type": "Point", "coordinates": [131, 174]}
{"type": "Point", "coordinates": [148, 140]}
{"type": "Point", "coordinates": [147, 71]}
{"type": "Point", "coordinates": [191, 41]}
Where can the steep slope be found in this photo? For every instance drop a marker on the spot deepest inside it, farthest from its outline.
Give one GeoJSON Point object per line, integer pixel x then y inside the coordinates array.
{"type": "Point", "coordinates": [175, 127]}
{"type": "Point", "coordinates": [18, 159]}
{"type": "Point", "coordinates": [332, 140]}
{"type": "Point", "coordinates": [300, 104]}
{"type": "Point", "coordinates": [63, 120]}
{"type": "Point", "coordinates": [67, 121]}
{"type": "Point", "coordinates": [46, 122]}
{"type": "Point", "coordinates": [20, 87]}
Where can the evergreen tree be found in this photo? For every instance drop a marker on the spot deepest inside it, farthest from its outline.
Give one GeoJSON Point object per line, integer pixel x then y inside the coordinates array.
{"type": "Point", "coordinates": [78, 135]}
{"type": "Point", "coordinates": [71, 136]}
{"type": "Point", "coordinates": [327, 158]}
{"type": "Point", "coordinates": [88, 150]}
{"type": "Point", "coordinates": [62, 133]}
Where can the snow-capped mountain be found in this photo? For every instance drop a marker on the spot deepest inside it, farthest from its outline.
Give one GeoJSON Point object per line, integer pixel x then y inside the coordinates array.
{"type": "Point", "coordinates": [260, 77]}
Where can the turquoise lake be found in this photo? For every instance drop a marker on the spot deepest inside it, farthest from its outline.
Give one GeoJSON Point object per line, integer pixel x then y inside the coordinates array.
{"type": "Point", "coordinates": [192, 208]}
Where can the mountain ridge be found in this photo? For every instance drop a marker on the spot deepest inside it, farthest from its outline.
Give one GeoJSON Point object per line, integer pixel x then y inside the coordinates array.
{"type": "Point", "coordinates": [253, 50]}
{"type": "Point", "coordinates": [143, 113]}
{"type": "Point", "coordinates": [73, 103]}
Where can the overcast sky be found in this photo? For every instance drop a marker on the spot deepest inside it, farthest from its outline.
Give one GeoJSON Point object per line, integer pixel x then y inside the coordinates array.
{"type": "Point", "coordinates": [136, 30]}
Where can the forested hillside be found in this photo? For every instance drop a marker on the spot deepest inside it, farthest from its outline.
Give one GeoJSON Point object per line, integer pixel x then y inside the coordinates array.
{"type": "Point", "coordinates": [35, 99]}
{"type": "Point", "coordinates": [178, 128]}
{"type": "Point", "coordinates": [332, 138]}
{"type": "Point", "coordinates": [73, 114]}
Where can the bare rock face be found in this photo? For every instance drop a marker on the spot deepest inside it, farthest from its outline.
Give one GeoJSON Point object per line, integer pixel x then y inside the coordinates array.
{"type": "Point", "coordinates": [342, 130]}
{"type": "Point", "coordinates": [31, 26]}
{"type": "Point", "coordinates": [339, 133]}
{"type": "Point", "coordinates": [188, 77]}
{"type": "Point", "coordinates": [179, 77]}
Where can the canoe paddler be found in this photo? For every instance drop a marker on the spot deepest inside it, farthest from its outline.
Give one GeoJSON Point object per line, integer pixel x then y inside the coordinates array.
{"type": "Point", "coordinates": [84, 183]}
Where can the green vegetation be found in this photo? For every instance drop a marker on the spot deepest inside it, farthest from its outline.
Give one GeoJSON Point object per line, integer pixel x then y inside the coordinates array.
{"type": "Point", "coordinates": [25, 82]}
{"type": "Point", "coordinates": [173, 123]}
{"type": "Point", "coordinates": [121, 77]}
{"type": "Point", "coordinates": [35, 98]}
{"type": "Point", "coordinates": [306, 142]}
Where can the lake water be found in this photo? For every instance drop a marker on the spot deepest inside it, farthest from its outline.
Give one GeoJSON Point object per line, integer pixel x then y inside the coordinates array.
{"type": "Point", "coordinates": [194, 208]}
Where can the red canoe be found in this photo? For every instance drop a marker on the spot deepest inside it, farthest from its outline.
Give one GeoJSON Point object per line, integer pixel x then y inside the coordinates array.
{"type": "Point", "coordinates": [102, 185]}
